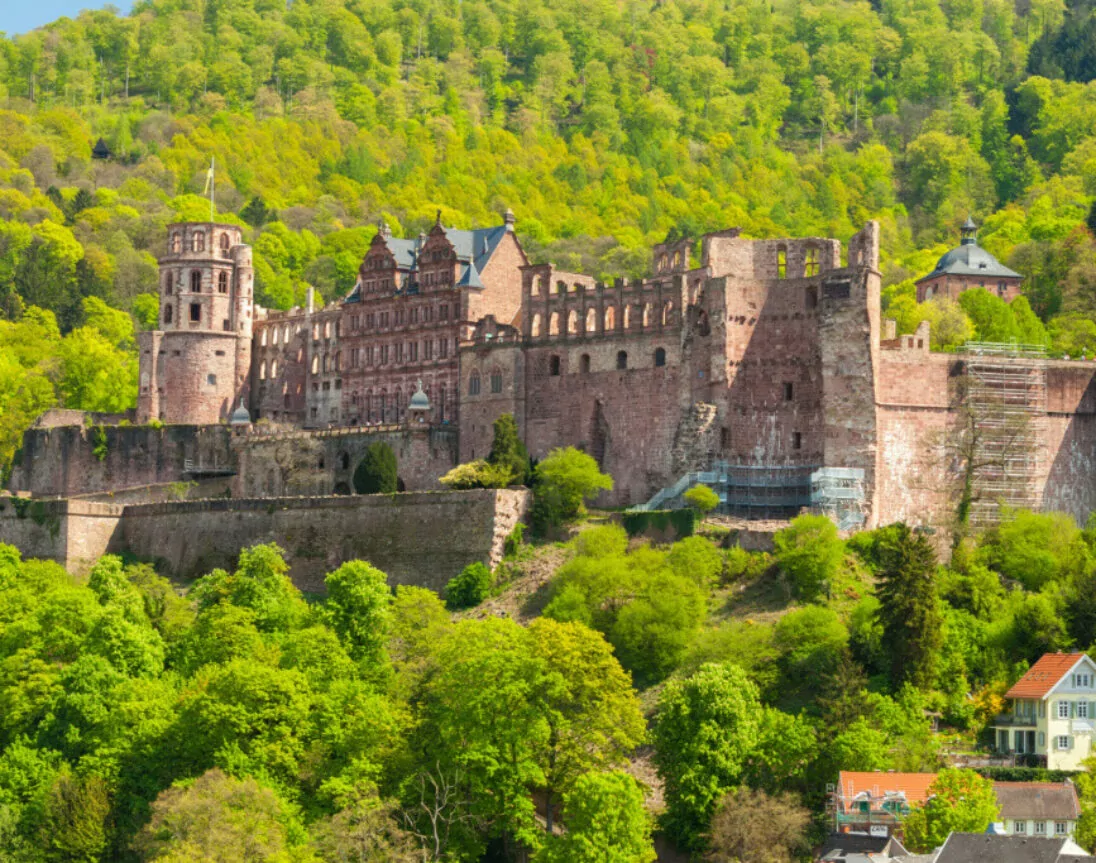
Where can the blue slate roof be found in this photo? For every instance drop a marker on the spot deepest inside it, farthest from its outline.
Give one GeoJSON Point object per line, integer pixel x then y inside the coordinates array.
{"type": "Point", "coordinates": [970, 259]}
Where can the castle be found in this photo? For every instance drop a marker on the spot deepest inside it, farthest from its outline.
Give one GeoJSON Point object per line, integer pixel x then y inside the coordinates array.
{"type": "Point", "coordinates": [761, 367]}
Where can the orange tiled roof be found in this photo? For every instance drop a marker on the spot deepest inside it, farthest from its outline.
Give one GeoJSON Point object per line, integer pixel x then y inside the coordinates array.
{"type": "Point", "coordinates": [914, 785]}
{"type": "Point", "coordinates": [1043, 675]}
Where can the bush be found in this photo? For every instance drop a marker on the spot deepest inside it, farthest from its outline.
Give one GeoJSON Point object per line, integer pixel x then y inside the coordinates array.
{"type": "Point", "coordinates": [681, 521]}
{"type": "Point", "coordinates": [701, 498]}
{"type": "Point", "coordinates": [810, 552]}
{"type": "Point", "coordinates": [469, 588]}
{"type": "Point", "coordinates": [565, 480]}
{"type": "Point", "coordinates": [697, 559]}
{"type": "Point", "coordinates": [477, 474]}
{"type": "Point", "coordinates": [377, 473]}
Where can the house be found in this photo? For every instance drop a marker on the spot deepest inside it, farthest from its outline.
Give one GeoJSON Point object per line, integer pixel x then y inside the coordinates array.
{"type": "Point", "coordinates": [853, 848]}
{"type": "Point", "coordinates": [988, 848]}
{"type": "Point", "coordinates": [1038, 809]}
{"type": "Point", "coordinates": [875, 803]}
{"type": "Point", "coordinates": [1053, 713]}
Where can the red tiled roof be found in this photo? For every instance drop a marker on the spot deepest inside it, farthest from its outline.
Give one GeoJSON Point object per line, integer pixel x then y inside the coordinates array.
{"type": "Point", "coordinates": [1043, 675]}
{"type": "Point", "coordinates": [914, 785]}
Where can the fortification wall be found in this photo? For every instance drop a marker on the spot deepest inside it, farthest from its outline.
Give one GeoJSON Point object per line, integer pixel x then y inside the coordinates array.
{"type": "Point", "coordinates": [1070, 483]}
{"type": "Point", "coordinates": [73, 533]}
{"type": "Point", "coordinates": [61, 461]}
{"type": "Point", "coordinates": [423, 538]}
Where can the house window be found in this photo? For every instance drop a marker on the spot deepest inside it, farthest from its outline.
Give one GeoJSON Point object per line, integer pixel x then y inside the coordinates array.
{"type": "Point", "coordinates": [1060, 828]}
{"type": "Point", "coordinates": [660, 357]}
{"type": "Point", "coordinates": [1042, 738]}
{"type": "Point", "coordinates": [1063, 710]}
{"type": "Point", "coordinates": [788, 390]}
{"type": "Point", "coordinates": [496, 382]}
{"type": "Point", "coordinates": [1019, 828]}
{"type": "Point", "coordinates": [1084, 681]}
{"type": "Point", "coordinates": [222, 283]}
{"type": "Point", "coordinates": [1082, 710]}
{"type": "Point", "coordinates": [1040, 828]}
{"type": "Point", "coordinates": [195, 312]}
{"type": "Point", "coordinates": [1063, 742]}
{"type": "Point", "coordinates": [474, 384]}
{"type": "Point", "coordinates": [622, 359]}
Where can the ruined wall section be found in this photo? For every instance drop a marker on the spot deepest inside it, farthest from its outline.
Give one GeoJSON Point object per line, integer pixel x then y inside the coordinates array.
{"type": "Point", "coordinates": [279, 366]}
{"type": "Point", "coordinates": [492, 383]}
{"type": "Point", "coordinates": [72, 533]}
{"type": "Point", "coordinates": [1070, 429]}
{"type": "Point", "coordinates": [422, 538]}
{"type": "Point", "coordinates": [63, 461]}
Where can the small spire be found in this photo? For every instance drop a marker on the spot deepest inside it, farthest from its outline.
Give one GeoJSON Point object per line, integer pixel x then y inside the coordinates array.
{"type": "Point", "coordinates": [437, 219]}
{"type": "Point", "coordinates": [509, 218]}
{"type": "Point", "coordinates": [383, 229]}
{"type": "Point", "coordinates": [969, 232]}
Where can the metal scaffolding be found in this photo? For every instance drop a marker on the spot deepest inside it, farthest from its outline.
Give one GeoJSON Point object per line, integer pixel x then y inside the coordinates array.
{"type": "Point", "coordinates": [1006, 398]}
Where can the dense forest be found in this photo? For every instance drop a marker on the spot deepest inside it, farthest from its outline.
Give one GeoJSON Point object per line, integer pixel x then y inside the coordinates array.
{"type": "Point", "coordinates": [605, 126]}
{"type": "Point", "coordinates": [690, 689]}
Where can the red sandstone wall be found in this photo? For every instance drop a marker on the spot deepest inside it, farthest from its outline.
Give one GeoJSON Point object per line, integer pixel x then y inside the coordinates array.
{"type": "Point", "coordinates": [501, 279]}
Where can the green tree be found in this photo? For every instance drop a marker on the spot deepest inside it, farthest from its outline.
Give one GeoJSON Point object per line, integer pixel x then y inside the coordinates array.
{"type": "Point", "coordinates": [377, 472]}
{"type": "Point", "coordinates": [508, 453]}
{"type": "Point", "coordinates": [909, 608]}
{"type": "Point", "coordinates": [705, 729]}
{"type": "Point", "coordinates": [702, 499]}
{"type": "Point", "coordinates": [469, 587]}
{"type": "Point", "coordinates": [606, 821]}
{"type": "Point", "coordinates": [810, 552]}
{"type": "Point", "coordinates": [358, 609]}
{"type": "Point", "coordinates": [959, 801]}
{"type": "Point", "coordinates": [753, 825]}
{"type": "Point", "coordinates": [565, 479]}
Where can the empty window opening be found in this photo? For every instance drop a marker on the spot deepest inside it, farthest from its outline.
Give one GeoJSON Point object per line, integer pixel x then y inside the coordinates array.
{"type": "Point", "coordinates": [199, 242]}
{"type": "Point", "coordinates": [224, 242]}
{"type": "Point", "coordinates": [211, 380]}
{"type": "Point", "coordinates": [810, 263]}
{"type": "Point", "coordinates": [195, 312]}
{"type": "Point", "coordinates": [167, 314]}
{"type": "Point", "coordinates": [789, 390]}
{"type": "Point", "coordinates": [344, 461]}
{"type": "Point", "coordinates": [797, 440]}
{"type": "Point", "coordinates": [812, 297]}
{"type": "Point", "coordinates": [584, 364]}
{"type": "Point", "coordinates": [622, 359]}
{"type": "Point", "coordinates": [219, 353]}
{"type": "Point", "coordinates": [169, 283]}
{"type": "Point", "coordinates": [660, 356]}
{"type": "Point", "coordinates": [226, 325]}
{"type": "Point", "coordinates": [781, 263]}
{"type": "Point", "coordinates": [553, 365]}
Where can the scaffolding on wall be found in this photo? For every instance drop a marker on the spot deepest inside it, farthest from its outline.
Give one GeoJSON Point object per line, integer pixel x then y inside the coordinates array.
{"type": "Point", "coordinates": [1006, 398]}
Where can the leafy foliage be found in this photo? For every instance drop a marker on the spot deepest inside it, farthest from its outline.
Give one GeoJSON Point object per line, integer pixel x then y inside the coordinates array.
{"type": "Point", "coordinates": [565, 480]}
{"type": "Point", "coordinates": [470, 587]}
{"type": "Point", "coordinates": [960, 800]}
{"type": "Point", "coordinates": [377, 472]}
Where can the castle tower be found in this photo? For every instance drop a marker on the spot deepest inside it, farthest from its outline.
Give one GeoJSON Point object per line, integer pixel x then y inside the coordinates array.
{"type": "Point", "coordinates": [195, 368]}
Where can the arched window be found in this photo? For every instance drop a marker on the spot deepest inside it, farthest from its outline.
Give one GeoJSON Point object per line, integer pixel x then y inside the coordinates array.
{"type": "Point", "coordinates": [195, 281]}
{"type": "Point", "coordinates": [198, 244]}
{"type": "Point", "coordinates": [591, 320]}
{"type": "Point", "coordinates": [262, 370]}
{"type": "Point", "coordinates": [274, 333]}
{"type": "Point", "coordinates": [561, 287]}
{"type": "Point", "coordinates": [677, 259]}
{"type": "Point", "coordinates": [572, 322]}
{"type": "Point", "coordinates": [225, 243]}
{"type": "Point", "coordinates": [628, 316]}
{"type": "Point", "coordinates": [781, 262]}
{"type": "Point", "coordinates": [474, 384]}
{"type": "Point", "coordinates": [554, 365]}
{"type": "Point", "coordinates": [169, 283]}
{"type": "Point", "coordinates": [496, 381]}
{"type": "Point", "coordinates": [175, 244]}
{"type": "Point", "coordinates": [663, 262]}
{"type": "Point", "coordinates": [325, 363]}
{"type": "Point", "coordinates": [273, 368]}
{"type": "Point", "coordinates": [338, 360]}
{"type": "Point", "coordinates": [646, 315]}
{"type": "Point", "coordinates": [810, 263]}
{"type": "Point", "coordinates": [667, 314]}
{"type": "Point", "coordinates": [610, 319]}
{"type": "Point", "coordinates": [262, 338]}
{"type": "Point", "coordinates": [535, 329]}
{"type": "Point", "coordinates": [222, 283]}
{"type": "Point", "coordinates": [553, 324]}
{"type": "Point", "coordinates": [660, 356]}
{"type": "Point", "coordinates": [534, 289]}
{"type": "Point", "coordinates": [622, 359]}
{"type": "Point", "coordinates": [315, 365]}
{"type": "Point", "coordinates": [167, 314]}
{"type": "Point", "coordinates": [584, 364]}
{"type": "Point", "coordinates": [344, 458]}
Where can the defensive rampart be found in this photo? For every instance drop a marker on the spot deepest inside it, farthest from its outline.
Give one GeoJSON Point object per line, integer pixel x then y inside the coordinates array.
{"type": "Point", "coordinates": [422, 538]}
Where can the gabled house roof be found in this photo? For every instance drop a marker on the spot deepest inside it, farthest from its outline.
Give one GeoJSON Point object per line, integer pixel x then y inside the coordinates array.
{"type": "Point", "coordinates": [877, 784]}
{"type": "Point", "coordinates": [1041, 801]}
{"type": "Point", "coordinates": [986, 848]}
{"type": "Point", "coordinates": [1044, 675]}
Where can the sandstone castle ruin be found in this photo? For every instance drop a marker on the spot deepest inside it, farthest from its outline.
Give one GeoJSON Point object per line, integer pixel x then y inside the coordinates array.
{"type": "Point", "coordinates": [761, 367]}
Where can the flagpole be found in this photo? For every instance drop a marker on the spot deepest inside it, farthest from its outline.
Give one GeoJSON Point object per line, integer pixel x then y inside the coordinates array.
{"type": "Point", "coordinates": [212, 188]}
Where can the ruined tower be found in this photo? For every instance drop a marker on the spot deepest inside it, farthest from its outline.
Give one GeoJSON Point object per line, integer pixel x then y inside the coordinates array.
{"type": "Point", "coordinates": [195, 367]}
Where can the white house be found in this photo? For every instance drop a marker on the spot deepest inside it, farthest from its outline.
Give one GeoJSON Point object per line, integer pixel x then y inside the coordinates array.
{"type": "Point", "coordinates": [1047, 809]}
{"type": "Point", "coordinates": [1053, 715]}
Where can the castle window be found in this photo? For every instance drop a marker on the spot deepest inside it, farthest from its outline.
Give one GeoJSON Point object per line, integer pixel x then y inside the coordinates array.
{"type": "Point", "coordinates": [553, 324]}
{"type": "Point", "coordinates": [561, 287]}
{"type": "Point", "coordinates": [535, 328]}
{"type": "Point", "coordinates": [534, 288]}
{"type": "Point", "coordinates": [443, 348]}
{"type": "Point", "coordinates": [195, 312]}
{"type": "Point", "coordinates": [781, 263]}
{"type": "Point", "coordinates": [610, 319]}
{"type": "Point", "coordinates": [167, 314]}
{"type": "Point", "coordinates": [222, 283]}
{"type": "Point", "coordinates": [810, 265]}
{"type": "Point", "coordinates": [344, 458]}
{"type": "Point", "coordinates": [199, 242]}
{"type": "Point", "coordinates": [315, 365]}
{"type": "Point", "coordinates": [224, 243]}
{"type": "Point", "coordinates": [677, 260]}
{"type": "Point", "coordinates": [195, 281]}
{"type": "Point", "coordinates": [273, 368]}
{"type": "Point", "coordinates": [584, 364]}
{"type": "Point", "coordinates": [226, 325]}
{"type": "Point", "coordinates": [496, 382]}
{"type": "Point", "coordinates": [262, 370]}
{"type": "Point", "coordinates": [553, 365]}
{"type": "Point", "coordinates": [572, 322]}
{"type": "Point", "coordinates": [211, 380]}
{"type": "Point", "coordinates": [168, 283]}
{"type": "Point", "coordinates": [428, 349]}
{"type": "Point", "coordinates": [262, 338]}
{"type": "Point", "coordinates": [788, 391]}
{"type": "Point", "coordinates": [175, 244]}
{"type": "Point", "coordinates": [622, 359]}
{"type": "Point", "coordinates": [646, 315]}
{"type": "Point", "coordinates": [797, 440]}
{"type": "Point", "coordinates": [327, 329]}
{"type": "Point", "coordinates": [812, 297]}
{"type": "Point", "coordinates": [591, 320]}
{"type": "Point", "coordinates": [660, 356]}
{"type": "Point", "coordinates": [474, 384]}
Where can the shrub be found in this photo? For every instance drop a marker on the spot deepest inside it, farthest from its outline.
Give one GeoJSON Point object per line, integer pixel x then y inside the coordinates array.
{"type": "Point", "coordinates": [696, 558]}
{"type": "Point", "coordinates": [565, 480]}
{"type": "Point", "coordinates": [477, 474]}
{"type": "Point", "coordinates": [701, 498]}
{"type": "Point", "coordinates": [377, 473]}
{"type": "Point", "coordinates": [810, 552]}
{"type": "Point", "coordinates": [469, 588]}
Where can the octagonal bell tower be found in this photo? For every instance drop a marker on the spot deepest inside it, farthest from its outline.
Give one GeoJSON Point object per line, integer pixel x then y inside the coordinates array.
{"type": "Point", "coordinates": [195, 367]}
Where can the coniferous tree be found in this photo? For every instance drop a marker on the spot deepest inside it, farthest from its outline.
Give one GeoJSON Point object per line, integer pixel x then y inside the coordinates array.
{"type": "Point", "coordinates": [909, 608]}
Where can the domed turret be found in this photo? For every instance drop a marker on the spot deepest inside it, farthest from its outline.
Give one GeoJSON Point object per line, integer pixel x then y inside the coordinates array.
{"type": "Point", "coordinates": [967, 266]}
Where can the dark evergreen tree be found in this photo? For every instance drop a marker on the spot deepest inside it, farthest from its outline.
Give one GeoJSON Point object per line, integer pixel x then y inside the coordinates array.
{"type": "Point", "coordinates": [377, 473]}
{"type": "Point", "coordinates": [909, 608]}
{"type": "Point", "coordinates": [507, 449]}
